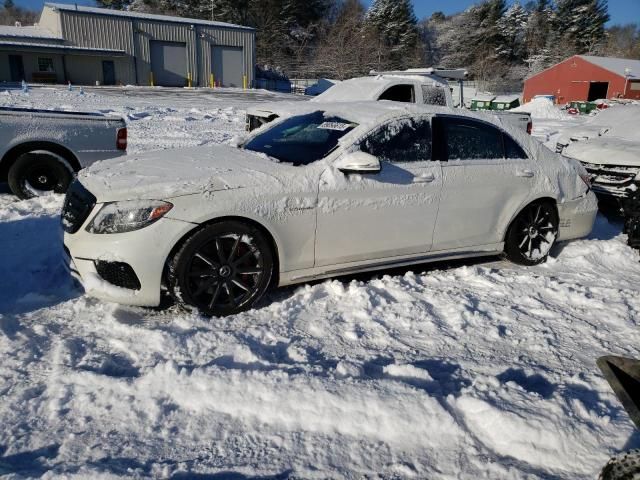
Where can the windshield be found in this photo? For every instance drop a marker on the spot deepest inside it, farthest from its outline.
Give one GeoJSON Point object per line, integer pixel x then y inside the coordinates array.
{"type": "Point", "coordinates": [303, 139]}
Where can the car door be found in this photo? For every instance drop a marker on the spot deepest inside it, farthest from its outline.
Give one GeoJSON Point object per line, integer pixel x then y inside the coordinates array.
{"type": "Point", "coordinates": [387, 214]}
{"type": "Point", "coordinates": [486, 178]}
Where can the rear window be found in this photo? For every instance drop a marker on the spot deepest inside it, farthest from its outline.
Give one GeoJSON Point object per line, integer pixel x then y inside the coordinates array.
{"type": "Point", "coordinates": [434, 96]}
{"type": "Point", "coordinates": [303, 139]}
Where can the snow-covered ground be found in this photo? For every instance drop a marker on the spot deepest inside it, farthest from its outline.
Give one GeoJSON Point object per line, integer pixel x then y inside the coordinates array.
{"type": "Point", "coordinates": [458, 371]}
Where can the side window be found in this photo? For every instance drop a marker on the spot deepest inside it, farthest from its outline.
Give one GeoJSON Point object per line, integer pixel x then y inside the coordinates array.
{"type": "Point", "coordinates": [401, 141]}
{"type": "Point", "coordinates": [434, 96]}
{"type": "Point", "coordinates": [512, 149]}
{"type": "Point", "coordinates": [399, 93]}
{"type": "Point", "coordinates": [467, 139]}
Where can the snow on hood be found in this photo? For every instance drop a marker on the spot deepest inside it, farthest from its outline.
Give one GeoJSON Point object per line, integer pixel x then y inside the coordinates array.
{"type": "Point", "coordinates": [606, 151]}
{"type": "Point", "coordinates": [171, 173]}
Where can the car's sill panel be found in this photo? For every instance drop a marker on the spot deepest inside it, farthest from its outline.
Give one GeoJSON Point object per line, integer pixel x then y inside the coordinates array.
{"type": "Point", "coordinates": [299, 276]}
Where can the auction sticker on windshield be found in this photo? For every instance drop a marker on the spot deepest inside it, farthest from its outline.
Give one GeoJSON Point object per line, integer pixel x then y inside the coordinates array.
{"type": "Point", "coordinates": [341, 127]}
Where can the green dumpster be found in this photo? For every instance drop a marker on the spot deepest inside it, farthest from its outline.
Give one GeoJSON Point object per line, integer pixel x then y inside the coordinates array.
{"type": "Point", "coordinates": [583, 107]}
{"type": "Point", "coordinates": [482, 102]}
{"type": "Point", "coordinates": [505, 102]}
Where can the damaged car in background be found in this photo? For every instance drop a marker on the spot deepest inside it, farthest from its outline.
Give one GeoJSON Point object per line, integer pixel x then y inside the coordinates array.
{"type": "Point", "coordinates": [338, 189]}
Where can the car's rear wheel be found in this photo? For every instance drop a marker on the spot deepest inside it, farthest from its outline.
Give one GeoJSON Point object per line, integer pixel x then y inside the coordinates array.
{"type": "Point", "coordinates": [39, 173]}
{"type": "Point", "coordinates": [532, 234]}
{"type": "Point", "coordinates": [222, 269]}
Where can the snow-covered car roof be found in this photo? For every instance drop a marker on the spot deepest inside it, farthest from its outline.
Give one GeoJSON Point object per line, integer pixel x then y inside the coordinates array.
{"type": "Point", "coordinates": [371, 112]}
{"type": "Point", "coordinates": [370, 87]}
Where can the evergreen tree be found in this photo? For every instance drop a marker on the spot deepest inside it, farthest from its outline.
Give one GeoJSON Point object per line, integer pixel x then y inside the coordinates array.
{"type": "Point", "coordinates": [513, 26]}
{"type": "Point", "coordinates": [395, 24]}
{"type": "Point", "coordinates": [583, 23]}
{"type": "Point", "coordinates": [8, 4]}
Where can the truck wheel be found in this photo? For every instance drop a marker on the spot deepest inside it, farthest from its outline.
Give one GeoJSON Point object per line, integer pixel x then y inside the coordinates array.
{"type": "Point", "coordinates": [39, 173]}
{"type": "Point", "coordinates": [625, 466]}
{"type": "Point", "coordinates": [221, 269]}
{"type": "Point", "coordinates": [532, 234]}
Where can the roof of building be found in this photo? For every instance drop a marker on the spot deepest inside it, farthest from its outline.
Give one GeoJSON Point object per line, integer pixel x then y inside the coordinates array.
{"type": "Point", "coordinates": [61, 48]}
{"type": "Point", "coordinates": [620, 66]}
{"type": "Point", "coordinates": [27, 32]}
{"type": "Point", "coordinates": [141, 15]}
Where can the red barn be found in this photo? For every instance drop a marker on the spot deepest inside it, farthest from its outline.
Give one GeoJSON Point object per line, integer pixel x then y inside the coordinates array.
{"type": "Point", "coordinates": [587, 78]}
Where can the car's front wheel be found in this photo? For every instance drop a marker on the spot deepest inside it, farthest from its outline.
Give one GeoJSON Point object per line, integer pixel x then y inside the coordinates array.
{"type": "Point", "coordinates": [222, 269]}
{"type": "Point", "coordinates": [532, 234]}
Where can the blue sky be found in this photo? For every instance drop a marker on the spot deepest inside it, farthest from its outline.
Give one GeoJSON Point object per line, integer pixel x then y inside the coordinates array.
{"type": "Point", "coordinates": [621, 11]}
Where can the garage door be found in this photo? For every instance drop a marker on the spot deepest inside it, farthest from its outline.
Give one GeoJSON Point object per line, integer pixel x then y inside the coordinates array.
{"type": "Point", "coordinates": [227, 65]}
{"type": "Point", "coordinates": [169, 63]}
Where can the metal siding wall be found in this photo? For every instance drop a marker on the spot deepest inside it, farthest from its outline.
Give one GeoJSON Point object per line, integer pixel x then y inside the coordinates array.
{"type": "Point", "coordinates": [85, 70]}
{"type": "Point", "coordinates": [211, 36]}
{"type": "Point", "coordinates": [147, 30]}
{"type": "Point", "coordinates": [100, 31]}
{"type": "Point", "coordinates": [133, 34]}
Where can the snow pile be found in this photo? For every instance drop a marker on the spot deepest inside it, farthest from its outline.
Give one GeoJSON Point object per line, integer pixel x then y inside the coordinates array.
{"type": "Point", "coordinates": [475, 369]}
{"type": "Point", "coordinates": [541, 108]}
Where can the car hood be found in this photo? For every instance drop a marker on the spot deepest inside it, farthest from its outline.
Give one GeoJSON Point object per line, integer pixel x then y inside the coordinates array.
{"type": "Point", "coordinates": [606, 151]}
{"type": "Point", "coordinates": [171, 173]}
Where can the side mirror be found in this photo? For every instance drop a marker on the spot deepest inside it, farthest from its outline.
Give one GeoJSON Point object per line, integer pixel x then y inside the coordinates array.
{"type": "Point", "coordinates": [358, 162]}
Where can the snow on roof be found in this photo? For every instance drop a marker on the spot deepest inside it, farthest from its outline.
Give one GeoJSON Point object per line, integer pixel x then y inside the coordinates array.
{"type": "Point", "coordinates": [27, 32]}
{"type": "Point", "coordinates": [621, 66]}
{"type": "Point", "coordinates": [148, 16]}
{"type": "Point", "coordinates": [60, 47]}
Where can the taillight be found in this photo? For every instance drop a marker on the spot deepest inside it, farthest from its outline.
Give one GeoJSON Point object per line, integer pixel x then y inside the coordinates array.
{"type": "Point", "coordinates": [529, 127]}
{"type": "Point", "coordinates": [121, 139]}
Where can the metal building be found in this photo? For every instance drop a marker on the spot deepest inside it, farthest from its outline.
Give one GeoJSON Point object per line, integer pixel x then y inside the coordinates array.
{"type": "Point", "coordinates": [586, 78]}
{"type": "Point", "coordinates": [85, 45]}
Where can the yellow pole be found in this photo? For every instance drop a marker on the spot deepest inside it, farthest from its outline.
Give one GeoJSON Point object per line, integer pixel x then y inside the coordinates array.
{"type": "Point", "coordinates": [189, 79]}
{"type": "Point", "coordinates": [151, 79]}
{"type": "Point", "coordinates": [244, 82]}
{"type": "Point", "coordinates": [211, 84]}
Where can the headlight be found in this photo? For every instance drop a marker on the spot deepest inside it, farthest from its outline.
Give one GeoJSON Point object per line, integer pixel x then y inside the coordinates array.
{"type": "Point", "coordinates": [121, 217]}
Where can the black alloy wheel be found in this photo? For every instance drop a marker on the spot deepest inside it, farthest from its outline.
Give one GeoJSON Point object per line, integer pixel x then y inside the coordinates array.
{"type": "Point", "coordinates": [222, 269]}
{"type": "Point", "coordinates": [532, 234]}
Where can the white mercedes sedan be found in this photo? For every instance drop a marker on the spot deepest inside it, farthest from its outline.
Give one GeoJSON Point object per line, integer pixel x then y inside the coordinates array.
{"type": "Point", "coordinates": [331, 190]}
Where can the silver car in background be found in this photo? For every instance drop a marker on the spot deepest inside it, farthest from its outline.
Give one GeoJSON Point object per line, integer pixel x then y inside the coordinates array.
{"type": "Point", "coordinates": [41, 150]}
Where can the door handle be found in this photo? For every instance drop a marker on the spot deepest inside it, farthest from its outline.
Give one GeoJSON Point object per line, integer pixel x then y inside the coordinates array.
{"type": "Point", "coordinates": [525, 173]}
{"type": "Point", "coordinates": [424, 178]}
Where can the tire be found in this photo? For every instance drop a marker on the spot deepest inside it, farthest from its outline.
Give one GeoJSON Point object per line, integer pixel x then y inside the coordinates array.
{"type": "Point", "coordinates": [39, 173]}
{"type": "Point", "coordinates": [532, 234]}
{"type": "Point", "coordinates": [222, 269]}
{"type": "Point", "coordinates": [625, 466]}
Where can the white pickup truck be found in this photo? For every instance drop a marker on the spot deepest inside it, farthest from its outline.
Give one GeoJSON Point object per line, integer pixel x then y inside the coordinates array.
{"type": "Point", "coordinates": [40, 150]}
{"type": "Point", "coordinates": [421, 86]}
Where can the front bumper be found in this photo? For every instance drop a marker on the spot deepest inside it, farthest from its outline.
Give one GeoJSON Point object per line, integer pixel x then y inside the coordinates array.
{"type": "Point", "coordinates": [613, 181]}
{"type": "Point", "coordinates": [145, 251]}
{"type": "Point", "coordinates": [577, 217]}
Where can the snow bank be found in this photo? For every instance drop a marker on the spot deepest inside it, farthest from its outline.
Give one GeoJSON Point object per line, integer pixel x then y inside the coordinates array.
{"type": "Point", "coordinates": [475, 369]}
{"type": "Point", "coordinates": [541, 108]}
